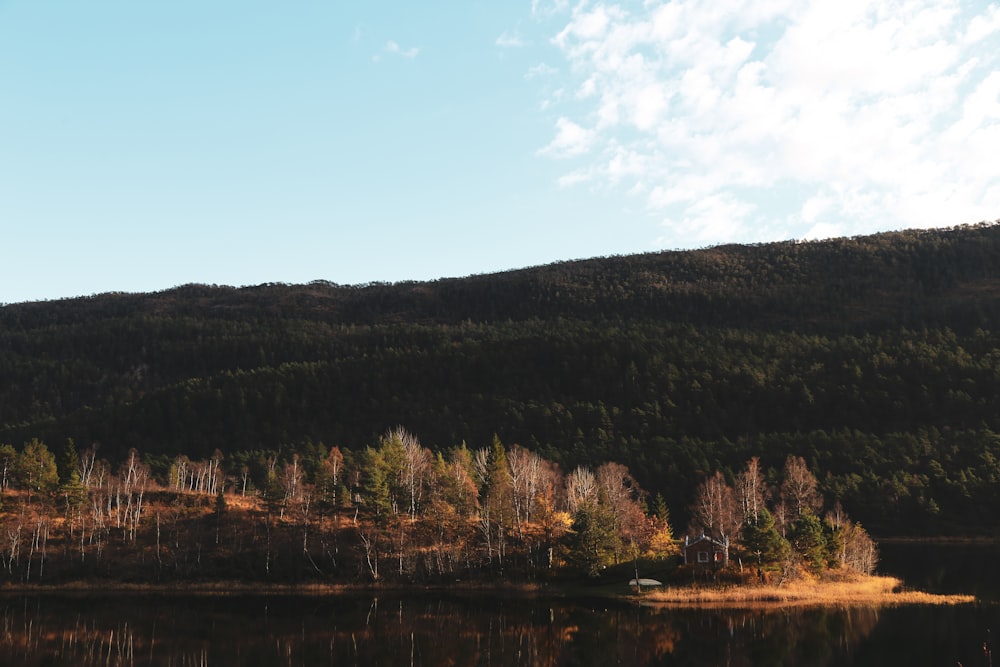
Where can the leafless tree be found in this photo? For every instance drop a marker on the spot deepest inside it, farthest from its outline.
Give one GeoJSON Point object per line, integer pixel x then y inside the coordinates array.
{"type": "Point", "coordinates": [369, 540]}
{"type": "Point", "coordinates": [214, 472]}
{"type": "Point", "coordinates": [581, 488]}
{"type": "Point", "coordinates": [291, 482]}
{"type": "Point", "coordinates": [526, 470]}
{"type": "Point", "coordinates": [416, 469]}
{"type": "Point", "coordinates": [13, 530]}
{"type": "Point", "coordinates": [333, 467]}
{"type": "Point", "coordinates": [799, 487]}
{"type": "Point", "coordinates": [100, 505]}
{"type": "Point", "coordinates": [618, 486]}
{"type": "Point", "coordinates": [303, 507]}
{"type": "Point", "coordinates": [481, 467]}
{"type": "Point", "coordinates": [88, 458]}
{"type": "Point", "coordinates": [860, 552]}
{"type": "Point", "coordinates": [857, 549]}
{"type": "Point", "coordinates": [715, 508]}
{"type": "Point", "coordinates": [37, 545]}
{"type": "Point", "coordinates": [126, 503]}
{"type": "Point", "coordinates": [180, 473]}
{"type": "Point", "coordinates": [8, 460]}
{"type": "Point", "coordinates": [751, 490]}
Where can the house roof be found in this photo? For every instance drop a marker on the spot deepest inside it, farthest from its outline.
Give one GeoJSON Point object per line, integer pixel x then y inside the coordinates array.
{"type": "Point", "coordinates": [705, 538]}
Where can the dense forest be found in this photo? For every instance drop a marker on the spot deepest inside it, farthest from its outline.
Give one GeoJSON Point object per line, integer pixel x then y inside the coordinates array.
{"type": "Point", "coordinates": [876, 359]}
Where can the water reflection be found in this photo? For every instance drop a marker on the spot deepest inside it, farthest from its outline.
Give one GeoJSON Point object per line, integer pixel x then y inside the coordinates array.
{"type": "Point", "coordinates": [436, 628]}
{"type": "Point", "coordinates": [360, 630]}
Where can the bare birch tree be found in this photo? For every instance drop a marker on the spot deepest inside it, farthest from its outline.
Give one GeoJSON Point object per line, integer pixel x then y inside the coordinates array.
{"type": "Point", "coordinates": [416, 471]}
{"type": "Point", "coordinates": [715, 509]}
{"type": "Point", "coordinates": [526, 471]}
{"type": "Point", "coordinates": [799, 488]}
{"type": "Point", "coordinates": [751, 490]}
{"type": "Point", "coordinates": [581, 488]}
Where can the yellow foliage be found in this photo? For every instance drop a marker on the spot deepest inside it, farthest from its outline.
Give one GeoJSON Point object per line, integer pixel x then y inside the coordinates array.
{"type": "Point", "coordinates": [662, 543]}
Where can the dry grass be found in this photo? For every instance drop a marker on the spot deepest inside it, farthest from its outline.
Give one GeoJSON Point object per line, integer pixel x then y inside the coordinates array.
{"type": "Point", "coordinates": [857, 590]}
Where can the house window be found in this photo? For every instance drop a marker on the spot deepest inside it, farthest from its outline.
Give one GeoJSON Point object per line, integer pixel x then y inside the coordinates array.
{"type": "Point", "coordinates": [702, 556]}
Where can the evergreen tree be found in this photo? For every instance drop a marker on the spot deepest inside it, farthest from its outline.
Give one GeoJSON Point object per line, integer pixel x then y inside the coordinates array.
{"type": "Point", "coordinates": [762, 540]}
{"type": "Point", "coordinates": [660, 509]}
{"type": "Point", "coordinates": [37, 468]}
{"type": "Point", "coordinates": [593, 541]}
{"type": "Point", "coordinates": [274, 494]}
{"type": "Point", "coordinates": [68, 470]}
{"type": "Point", "coordinates": [808, 539]}
{"type": "Point", "coordinates": [67, 467]}
{"type": "Point", "coordinates": [374, 485]}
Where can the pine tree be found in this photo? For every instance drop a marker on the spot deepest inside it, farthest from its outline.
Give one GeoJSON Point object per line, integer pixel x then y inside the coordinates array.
{"type": "Point", "coordinates": [593, 541]}
{"type": "Point", "coordinates": [809, 541]}
{"type": "Point", "coordinates": [68, 471]}
{"type": "Point", "coordinates": [762, 540]}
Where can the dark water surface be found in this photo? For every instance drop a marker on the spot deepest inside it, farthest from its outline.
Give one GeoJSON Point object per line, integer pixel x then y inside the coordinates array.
{"type": "Point", "coordinates": [443, 629]}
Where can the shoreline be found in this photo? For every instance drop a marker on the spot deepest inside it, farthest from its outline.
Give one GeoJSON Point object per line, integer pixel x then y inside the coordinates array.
{"type": "Point", "coordinates": [226, 588]}
{"type": "Point", "coordinates": [861, 591]}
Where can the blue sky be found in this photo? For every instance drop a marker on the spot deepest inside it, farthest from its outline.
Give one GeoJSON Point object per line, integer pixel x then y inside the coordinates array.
{"type": "Point", "coordinates": [149, 144]}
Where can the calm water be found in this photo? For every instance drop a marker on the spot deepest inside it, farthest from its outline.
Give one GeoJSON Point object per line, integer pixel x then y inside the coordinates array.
{"type": "Point", "coordinates": [482, 630]}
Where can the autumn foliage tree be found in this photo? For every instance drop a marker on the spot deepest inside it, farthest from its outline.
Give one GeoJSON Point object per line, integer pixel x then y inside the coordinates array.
{"type": "Point", "coordinates": [393, 510]}
{"type": "Point", "coordinates": [791, 530]}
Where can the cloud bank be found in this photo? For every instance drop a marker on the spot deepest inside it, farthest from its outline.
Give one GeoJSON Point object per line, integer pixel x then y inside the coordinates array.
{"type": "Point", "coordinates": [758, 119]}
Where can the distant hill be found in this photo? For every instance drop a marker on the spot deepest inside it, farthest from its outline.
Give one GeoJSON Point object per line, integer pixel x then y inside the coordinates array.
{"type": "Point", "coordinates": [877, 358]}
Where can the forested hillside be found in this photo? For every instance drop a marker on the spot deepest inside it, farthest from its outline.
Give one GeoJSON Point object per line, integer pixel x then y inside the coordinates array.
{"type": "Point", "coordinates": [877, 359]}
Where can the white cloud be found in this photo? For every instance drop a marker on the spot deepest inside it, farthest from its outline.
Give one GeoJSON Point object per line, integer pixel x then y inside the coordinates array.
{"type": "Point", "coordinates": [815, 207]}
{"type": "Point", "coordinates": [984, 25]}
{"type": "Point", "coordinates": [508, 41]}
{"type": "Point", "coordinates": [867, 114]}
{"type": "Point", "coordinates": [540, 70]}
{"type": "Point", "coordinates": [393, 49]}
{"type": "Point", "coordinates": [545, 8]}
{"type": "Point", "coordinates": [573, 178]}
{"type": "Point", "coordinates": [714, 218]}
{"type": "Point", "coordinates": [570, 140]}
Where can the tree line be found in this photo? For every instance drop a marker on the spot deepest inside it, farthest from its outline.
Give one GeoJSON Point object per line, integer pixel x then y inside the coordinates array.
{"type": "Point", "coordinates": [392, 511]}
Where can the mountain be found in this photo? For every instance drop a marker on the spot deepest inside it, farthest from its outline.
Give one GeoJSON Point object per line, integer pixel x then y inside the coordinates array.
{"type": "Point", "coordinates": [877, 358]}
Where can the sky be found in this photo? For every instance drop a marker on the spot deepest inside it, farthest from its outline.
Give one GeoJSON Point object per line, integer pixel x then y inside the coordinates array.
{"type": "Point", "coordinates": [145, 145]}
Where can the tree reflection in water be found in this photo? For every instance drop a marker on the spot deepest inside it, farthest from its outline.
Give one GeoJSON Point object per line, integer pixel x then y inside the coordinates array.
{"type": "Point", "coordinates": [425, 629]}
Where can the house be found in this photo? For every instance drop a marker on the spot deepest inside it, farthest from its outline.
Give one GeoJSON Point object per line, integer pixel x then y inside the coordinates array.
{"type": "Point", "coordinates": [706, 551]}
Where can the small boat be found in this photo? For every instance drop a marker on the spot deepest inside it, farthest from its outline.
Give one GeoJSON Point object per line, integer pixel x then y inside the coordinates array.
{"type": "Point", "coordinates": [639, 583]}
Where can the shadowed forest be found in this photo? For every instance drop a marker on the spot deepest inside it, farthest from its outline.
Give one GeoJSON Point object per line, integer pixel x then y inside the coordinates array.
{"type": "Point", "coordinates": [874, 359]}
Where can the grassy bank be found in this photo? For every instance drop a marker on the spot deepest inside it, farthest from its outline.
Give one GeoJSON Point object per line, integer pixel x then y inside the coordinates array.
{"type": "Point", "coordinates": [853, 590]}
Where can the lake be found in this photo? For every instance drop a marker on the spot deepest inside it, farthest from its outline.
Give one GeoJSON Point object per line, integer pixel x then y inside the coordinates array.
{"type": "Point", "coordinates": [481, 629]}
